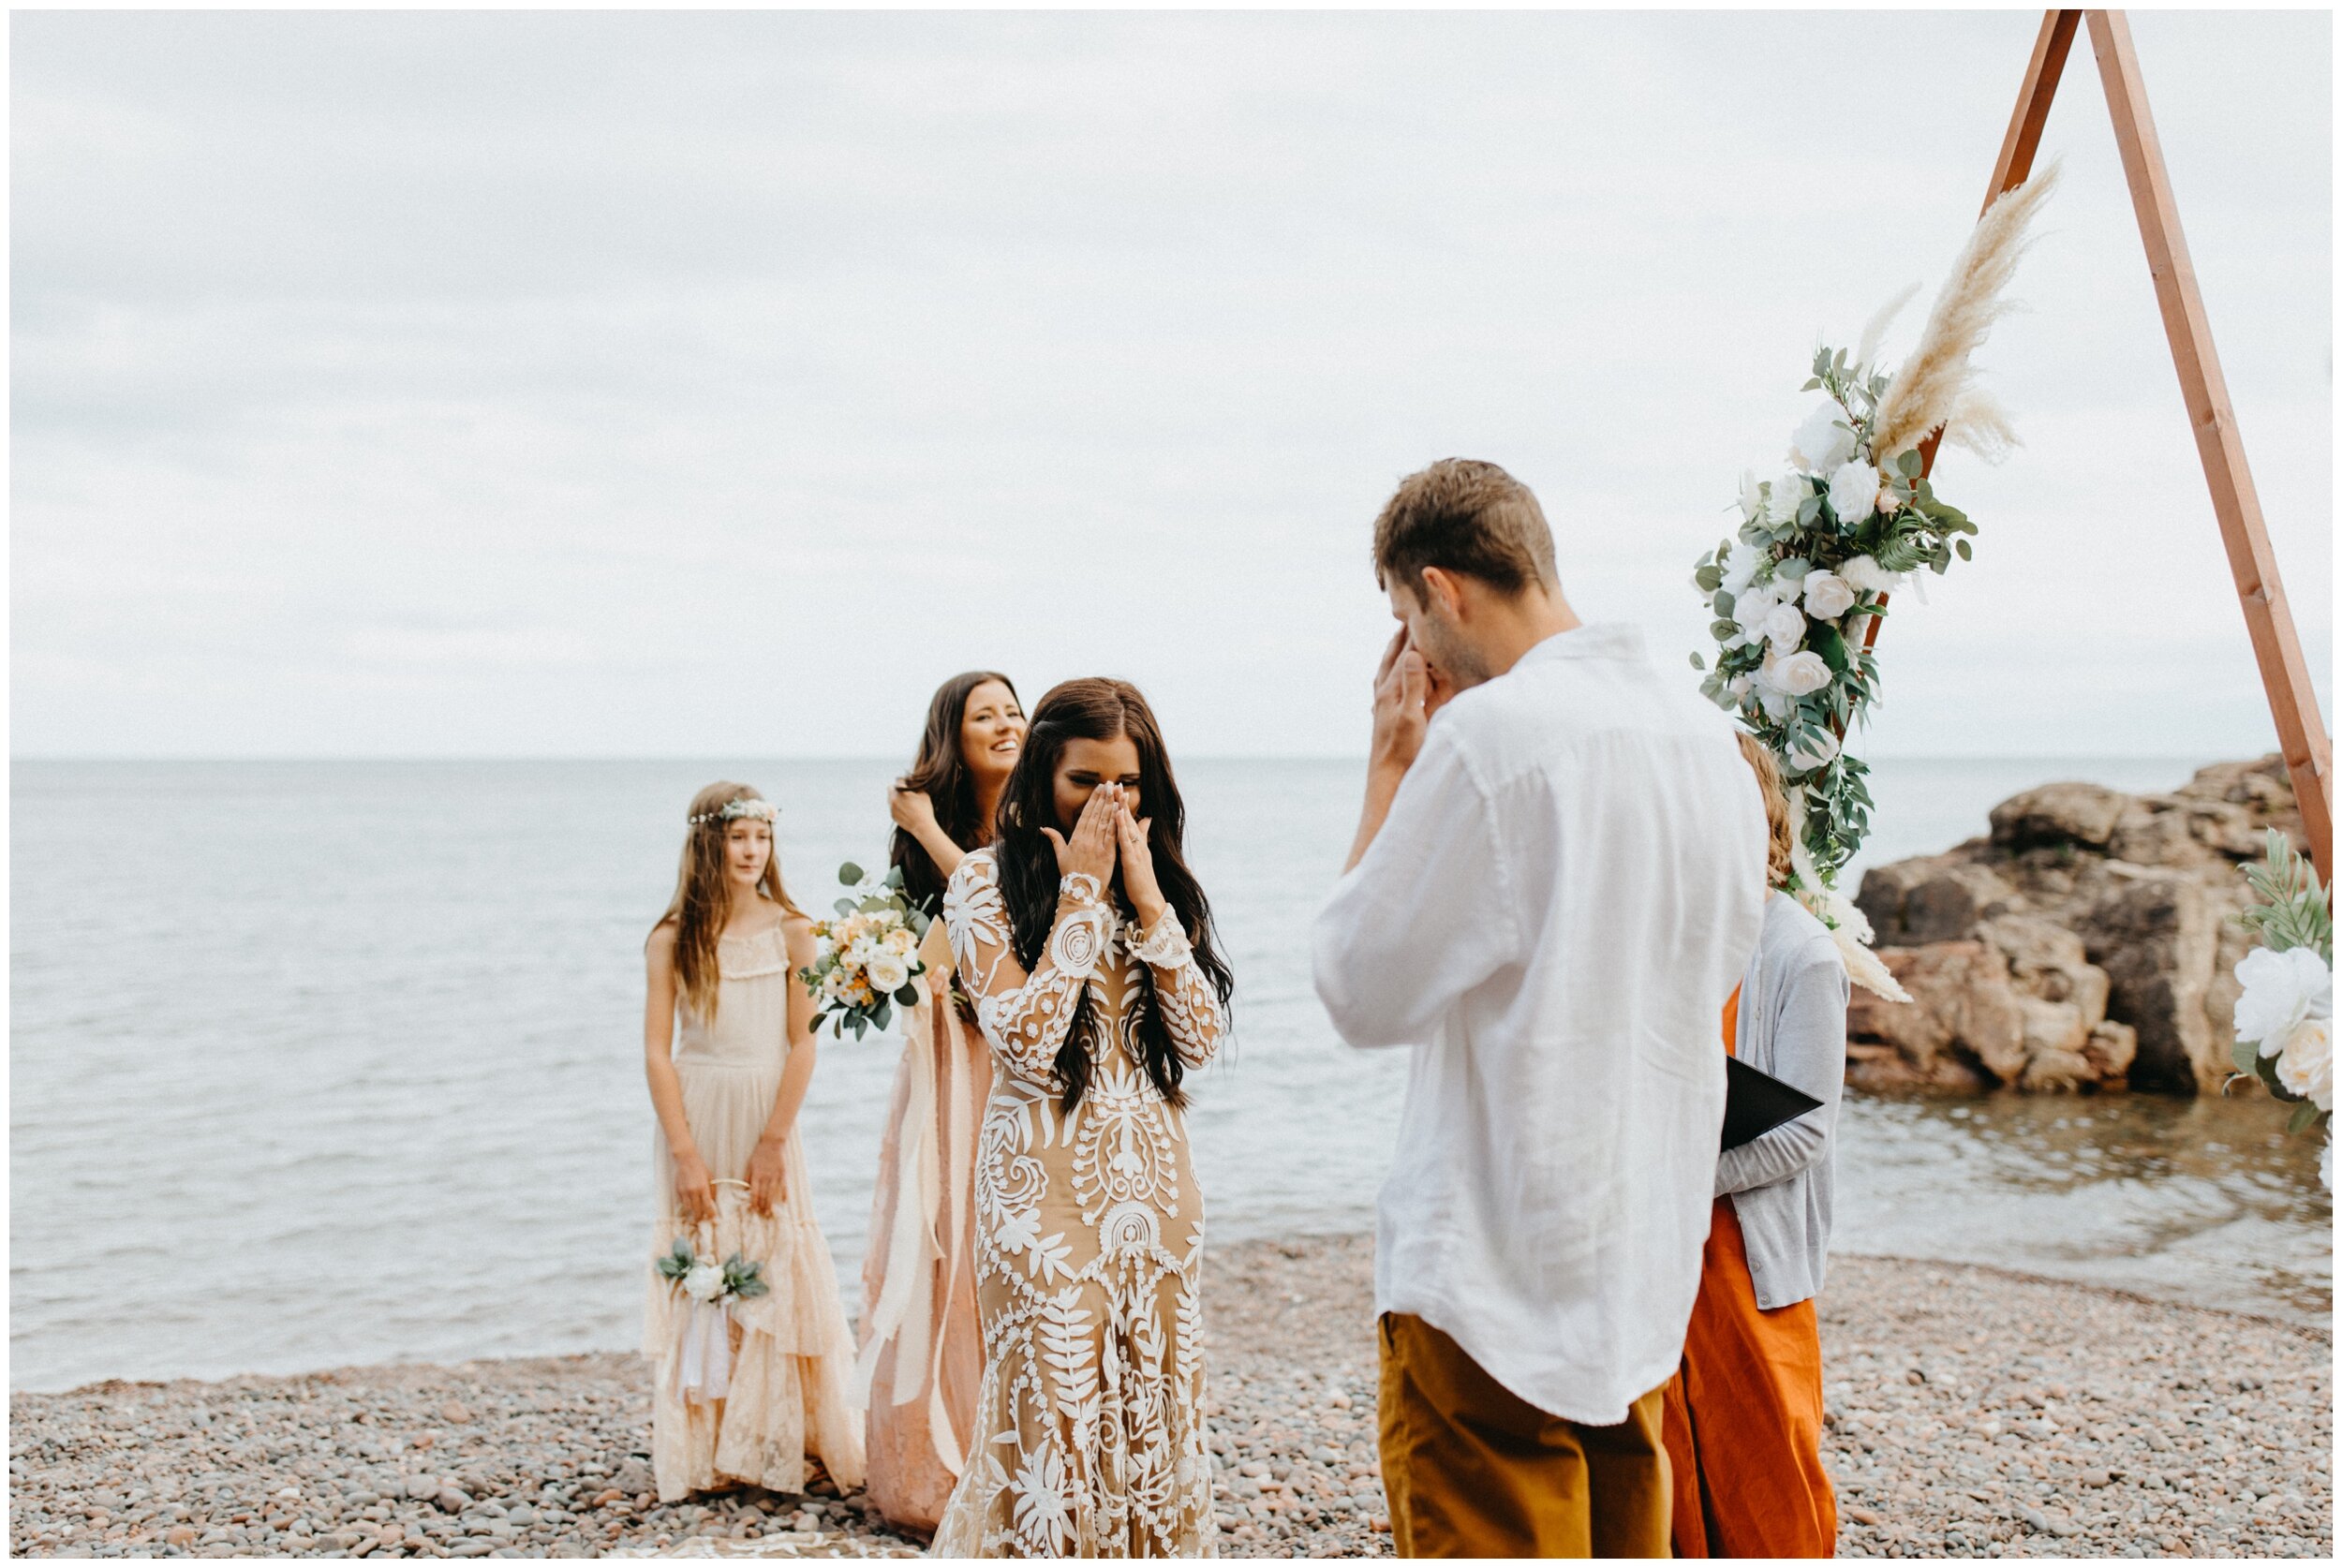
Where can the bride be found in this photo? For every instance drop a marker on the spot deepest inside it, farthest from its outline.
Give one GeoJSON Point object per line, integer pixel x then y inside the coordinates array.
{"type": "Point", "coordinates": [1087, 947]}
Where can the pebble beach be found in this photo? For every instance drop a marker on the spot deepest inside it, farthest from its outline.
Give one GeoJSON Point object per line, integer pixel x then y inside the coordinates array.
{"type": "Point", "coordinates": [1971, 1412]}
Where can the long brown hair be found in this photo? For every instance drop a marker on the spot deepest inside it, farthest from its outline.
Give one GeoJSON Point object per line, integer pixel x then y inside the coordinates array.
{"type": "Point", "coordinates": [701, 905]}
{"type": "Point", "coordinates": [942, 771]}
{"type": "Point", "coordinates": [1100, 710]}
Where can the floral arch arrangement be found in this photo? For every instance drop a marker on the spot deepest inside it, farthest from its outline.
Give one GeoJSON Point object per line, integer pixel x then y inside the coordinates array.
{"type": "Point", "coordinates": [1798, 592]}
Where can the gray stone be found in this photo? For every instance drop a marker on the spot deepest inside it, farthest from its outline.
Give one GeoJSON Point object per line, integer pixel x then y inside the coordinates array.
{"type": "Point", "coordinates": [2059, 814]}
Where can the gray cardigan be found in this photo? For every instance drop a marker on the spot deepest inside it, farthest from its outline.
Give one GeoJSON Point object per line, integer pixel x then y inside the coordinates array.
{"type": "Point", "coordinates": [1792, 1025]}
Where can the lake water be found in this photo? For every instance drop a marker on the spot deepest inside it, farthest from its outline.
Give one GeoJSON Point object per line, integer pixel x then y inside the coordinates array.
{"type": "Point", "coordinates": [335, 1062]}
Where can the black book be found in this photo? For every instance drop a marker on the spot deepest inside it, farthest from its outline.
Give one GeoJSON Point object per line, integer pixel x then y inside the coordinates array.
{"type": "Point", "coordinates": [1757, 1103]}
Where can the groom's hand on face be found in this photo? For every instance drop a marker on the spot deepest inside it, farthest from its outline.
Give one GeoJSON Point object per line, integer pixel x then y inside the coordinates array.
{"type": "Point", "coordinates": [1438, 687]}
{"type": "Point", "coordinates": [1402, 705]}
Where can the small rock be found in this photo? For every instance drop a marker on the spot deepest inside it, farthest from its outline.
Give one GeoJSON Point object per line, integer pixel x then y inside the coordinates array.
{"type": "Point", "coordinates": [454, 1413]}
{"type": "Point", "coordinates": [451, 1499]}
{"type": "Point", "coordinates": [180, 1536]}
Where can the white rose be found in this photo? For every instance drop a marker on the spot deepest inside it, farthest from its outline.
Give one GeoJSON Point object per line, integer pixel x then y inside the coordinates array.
{"type": "Point", "coordinates": [705, 1281]}
{"type": "Point", "coordinates": [1824, 749]}
{"type": "Point", "coordinates": [1752, 496]}
{"type": "Point", "coordinates": [888, 974]}
{"type": "Point", "coordinates": [1788, 492]}
{"type": "Point", "coordinates": [1741, 568]}
{"type": "Point", "coordinates": [1823, 441]}
{"type": "Point", "coordinates": [900, 940]}
{"type": "Point", "coordinates": [1751, 610]}
{"type": "Point", "coordinates": [1854, 492]}
{"type": "Point", "coordinates": [1828, 596]}
{"type": "Point", "coordinates": [1796, 674]}
{"type": "Point", "coordinates": [2306, 1066]}
{"type": "Point", "coordinates": [1785, 628]}
{"type": "Point", "coordinates": [1737, 686]}
{"type": "Point", "coordinates": [1866, 577]}
{"type": "Point", "coordinates": [2280, 990]}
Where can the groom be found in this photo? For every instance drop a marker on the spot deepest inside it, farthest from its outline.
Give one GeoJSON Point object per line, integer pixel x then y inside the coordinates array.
{"type": "Point", "coordinates": [1557, 878]}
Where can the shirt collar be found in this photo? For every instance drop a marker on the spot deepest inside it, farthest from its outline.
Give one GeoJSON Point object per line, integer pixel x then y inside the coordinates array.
{"type": "Point", "coordinates": [1618, 640]}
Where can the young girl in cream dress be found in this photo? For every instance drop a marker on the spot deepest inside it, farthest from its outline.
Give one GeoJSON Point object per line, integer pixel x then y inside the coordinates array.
{"type": "Point", "coordinates": [752, 1386]}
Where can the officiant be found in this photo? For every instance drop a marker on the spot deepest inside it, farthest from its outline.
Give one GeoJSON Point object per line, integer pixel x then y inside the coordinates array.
{"type": "Point", "coordinates": [1744, 1416]}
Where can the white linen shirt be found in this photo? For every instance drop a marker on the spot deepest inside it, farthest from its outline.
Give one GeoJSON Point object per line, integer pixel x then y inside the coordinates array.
{"type": "Point", "coordinates": [1571, 879]}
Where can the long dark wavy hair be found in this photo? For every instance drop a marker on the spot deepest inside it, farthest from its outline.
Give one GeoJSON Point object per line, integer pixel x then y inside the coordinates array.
{"type": "Point", "coordinates": [1100, 710]}
{"type": "Point", "coordinates": [944, 773]}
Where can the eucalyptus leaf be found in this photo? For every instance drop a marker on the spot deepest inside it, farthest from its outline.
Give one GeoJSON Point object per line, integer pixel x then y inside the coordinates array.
{"type": "Point", "coordinates": [850, 873]}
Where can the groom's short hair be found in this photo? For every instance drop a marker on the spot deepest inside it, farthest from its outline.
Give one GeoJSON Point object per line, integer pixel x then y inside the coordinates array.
{"type": "Point", "coordinates": [1466, 517]}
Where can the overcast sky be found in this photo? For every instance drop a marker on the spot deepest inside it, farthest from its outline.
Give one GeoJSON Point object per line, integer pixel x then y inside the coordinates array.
{"type": "Point", "coordinates": [604, 384]}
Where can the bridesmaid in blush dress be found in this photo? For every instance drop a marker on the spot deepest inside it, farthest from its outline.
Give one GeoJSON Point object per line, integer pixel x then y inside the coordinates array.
{"type": "Point", "coordinates": [922, 1349]}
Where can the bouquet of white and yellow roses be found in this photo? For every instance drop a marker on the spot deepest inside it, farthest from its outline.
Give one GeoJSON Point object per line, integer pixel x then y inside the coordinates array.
{"type": "Point", "coordinates": [867, 956]}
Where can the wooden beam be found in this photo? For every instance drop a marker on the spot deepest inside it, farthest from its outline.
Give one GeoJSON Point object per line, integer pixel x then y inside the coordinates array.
{"type": "Point", "coordinates": [2268, 615]}
{"type": "Point", "coordinates": [2014, 166]}
{"type": "Point", "coordinates": [2050, 48]}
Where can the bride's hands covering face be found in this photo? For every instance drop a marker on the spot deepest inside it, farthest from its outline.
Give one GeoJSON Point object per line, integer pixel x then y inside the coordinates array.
{"type": "Point", "coordinates": [1090, 851]}
{"type": "Point", "coordinates": [1138, 864]}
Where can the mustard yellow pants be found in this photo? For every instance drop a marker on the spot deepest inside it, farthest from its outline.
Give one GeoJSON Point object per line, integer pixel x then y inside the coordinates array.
{"type": "Point", "coordinates": [1472, 1469]}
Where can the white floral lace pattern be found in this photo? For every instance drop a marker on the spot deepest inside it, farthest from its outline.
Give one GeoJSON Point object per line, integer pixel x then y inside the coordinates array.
{"type": "Point", "coordinates": [1091, 1437]}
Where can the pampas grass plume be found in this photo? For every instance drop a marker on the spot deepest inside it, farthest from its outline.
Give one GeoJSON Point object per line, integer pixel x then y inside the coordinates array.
{"type": "Point", "coordinates": [1931, 389]}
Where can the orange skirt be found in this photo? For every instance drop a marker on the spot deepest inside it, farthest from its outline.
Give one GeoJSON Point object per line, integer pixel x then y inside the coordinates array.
{"type": "Point", "coordinates": [1743, 1421]}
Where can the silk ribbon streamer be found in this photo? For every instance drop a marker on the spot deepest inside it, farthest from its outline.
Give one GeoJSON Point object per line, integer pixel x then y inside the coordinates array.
{"type": "Point", "coordinates": [904, 1314]}
{"type": "Point", "coordinates": [703, 1372]}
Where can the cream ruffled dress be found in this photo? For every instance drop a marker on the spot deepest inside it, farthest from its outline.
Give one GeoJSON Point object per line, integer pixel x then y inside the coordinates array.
{"type": "Point", "coordinates": [751, 1417]}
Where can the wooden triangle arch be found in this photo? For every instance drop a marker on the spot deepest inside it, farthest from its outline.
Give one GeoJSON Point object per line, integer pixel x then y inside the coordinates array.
{"type": "Point", "coordinates": [2293, 702]}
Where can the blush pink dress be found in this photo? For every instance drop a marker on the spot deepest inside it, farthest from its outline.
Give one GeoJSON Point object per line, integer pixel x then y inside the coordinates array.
{"type": "Point", "coordinates": [922, 1346]}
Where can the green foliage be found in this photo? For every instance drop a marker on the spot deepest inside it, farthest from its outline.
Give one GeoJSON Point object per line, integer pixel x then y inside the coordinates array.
{"type": "Point", "coordinates": [1918, 530]}
{"type": "Point", "coordinates": [2294, 910]}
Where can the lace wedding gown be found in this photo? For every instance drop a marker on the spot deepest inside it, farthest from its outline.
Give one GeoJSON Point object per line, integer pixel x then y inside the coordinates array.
{"type": "Point", "coordinates": [1089, 1238]}
{"type": "Point", "coordinates": [791, 1352]}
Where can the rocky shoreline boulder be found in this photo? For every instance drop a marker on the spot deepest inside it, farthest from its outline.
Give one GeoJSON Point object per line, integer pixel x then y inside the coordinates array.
{"type": "Point", "coordinates": [2087, 943]}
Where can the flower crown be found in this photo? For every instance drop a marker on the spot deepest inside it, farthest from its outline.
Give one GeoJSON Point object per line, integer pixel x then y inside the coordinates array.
{"type": "Point", "coordinates": [763, 810]}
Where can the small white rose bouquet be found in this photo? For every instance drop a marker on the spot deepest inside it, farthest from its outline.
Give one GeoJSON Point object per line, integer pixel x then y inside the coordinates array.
{"type": "Point", "coordinates": [737, 1279]}
{"type": "Point", "coordinates": [2285, 1016]}
{"type": "Point", "coordinates": [699, 1364]}
{"type": "Point", "coordinates": [867, 956]}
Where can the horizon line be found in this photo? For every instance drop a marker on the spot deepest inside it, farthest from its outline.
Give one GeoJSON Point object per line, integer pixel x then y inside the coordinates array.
{"type": "Point", "coordinates": [1354, 759]}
